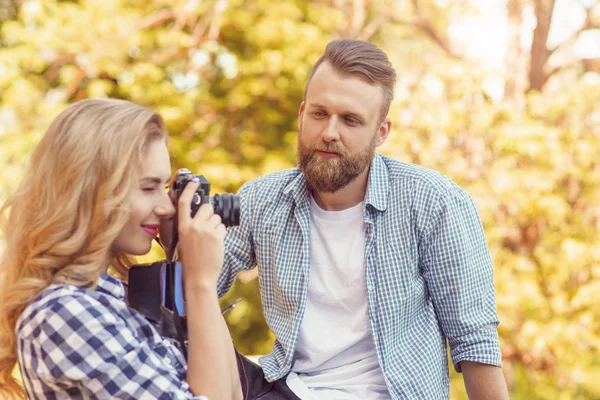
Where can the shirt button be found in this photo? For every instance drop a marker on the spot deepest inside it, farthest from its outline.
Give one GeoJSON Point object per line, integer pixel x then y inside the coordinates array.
{"type": "Point", "coordinates": [370, 288]}
{"type": "Point", "coordinates": [167, 361]}
{"type": "Point", "coordinates": [375, 337]}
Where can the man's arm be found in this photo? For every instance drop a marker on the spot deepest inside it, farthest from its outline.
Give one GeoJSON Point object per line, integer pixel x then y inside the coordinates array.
{"type": "Point", "coordinates": [457, 266]}
{"type": "Point", "coordinates": [239, 245]}
{"type": "Point", "coordinates": [483, 381]}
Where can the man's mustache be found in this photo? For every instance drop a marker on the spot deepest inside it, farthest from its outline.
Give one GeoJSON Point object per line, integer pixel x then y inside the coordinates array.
{"type": "Point", "coordinates": [329, 149]}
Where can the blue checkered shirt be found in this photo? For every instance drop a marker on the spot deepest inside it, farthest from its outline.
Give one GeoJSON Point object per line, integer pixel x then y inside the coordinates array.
{"type": "Point", "coordinates": [76, 343]}
{"type": "Point", "coordinates": [428, 272]}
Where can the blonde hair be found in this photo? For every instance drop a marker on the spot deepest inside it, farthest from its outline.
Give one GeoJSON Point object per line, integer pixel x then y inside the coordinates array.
{"type": "Point", "coordinates": [61, 222]}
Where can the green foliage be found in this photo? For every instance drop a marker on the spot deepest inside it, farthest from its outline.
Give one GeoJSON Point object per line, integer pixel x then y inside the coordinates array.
{"type": "Point", "coordinates": [228, 77]}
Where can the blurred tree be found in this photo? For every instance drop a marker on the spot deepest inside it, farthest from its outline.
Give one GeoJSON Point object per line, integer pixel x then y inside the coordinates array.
{"type": "Point", "coordinates": [228, 77]}
{"type": "Point", "coordinates": [9, 9]}
{"type": "Point", "coordinates": [540, 70]}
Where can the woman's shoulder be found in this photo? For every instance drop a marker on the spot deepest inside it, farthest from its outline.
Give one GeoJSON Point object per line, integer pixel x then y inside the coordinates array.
{"type": "Point", "coordinates": [60, 306]}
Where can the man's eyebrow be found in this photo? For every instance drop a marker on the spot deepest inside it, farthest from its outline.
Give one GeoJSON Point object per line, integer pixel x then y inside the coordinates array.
{"type": "Point", "coordinates": [352, 114]}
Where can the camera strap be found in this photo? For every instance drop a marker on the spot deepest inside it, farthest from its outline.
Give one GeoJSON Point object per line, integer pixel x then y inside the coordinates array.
{"type": "Point", "coordinates": [173, 269]}
{"type": "Point", "coordinates": [171, 280]}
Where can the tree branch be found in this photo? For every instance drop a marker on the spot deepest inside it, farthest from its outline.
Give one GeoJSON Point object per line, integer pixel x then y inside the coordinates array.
{"type": "Point", "coordinates": [592, 64]}
{"type": "Point", "coordinates": [423, 24]}
{"type": "Point", "coordinates": [425, 27]}
{"type": "Point", "coordinates": [543, 284]}
{"type": "Point", "coordinates": [358, 17]}
{"type": "Point", "coordinates": [215, 23]}
{"type": "Point", "coordinates": [572, 39]}
{"type": "Point", "coordinates": [539, 51]}
{"type": "Point", "coordinates": [539, 58]}
{"type": "Point", "coordinates": [371, 28]}
{"type": "Point", "coordinates": [157, 19]}
{"type": "Point", "coordinates": [201, 26]}
{"type": "Point", "coordinates": [516, 63]}
{"type": "Point", "coordinates": [183, 16]}
{"type": "Point", "coordinates": [560, 68]}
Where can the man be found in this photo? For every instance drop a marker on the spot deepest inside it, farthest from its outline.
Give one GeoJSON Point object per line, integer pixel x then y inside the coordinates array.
{"type": "Point", "coordinates": [367, 265]}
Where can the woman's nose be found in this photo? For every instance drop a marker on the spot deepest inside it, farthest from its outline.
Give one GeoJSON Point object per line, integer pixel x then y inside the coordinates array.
{"type": "Point", "coordinates": [166, 208]}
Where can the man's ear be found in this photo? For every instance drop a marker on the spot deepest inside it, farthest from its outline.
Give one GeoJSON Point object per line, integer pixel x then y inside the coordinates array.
{"type": "Point", "coordinates": [384, 131]}
{"type": "Point", "coordinates": [300, 114]}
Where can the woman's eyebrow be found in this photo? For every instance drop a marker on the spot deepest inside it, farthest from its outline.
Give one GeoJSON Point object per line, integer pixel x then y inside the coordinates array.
{"type": "Point", "coordinates": [154, 179]}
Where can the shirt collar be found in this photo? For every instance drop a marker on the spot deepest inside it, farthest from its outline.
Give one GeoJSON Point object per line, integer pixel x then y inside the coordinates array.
{"type": "Point", "coordinates": [377, 186]}
{"type": "Point", "coordinates": [298, 189]}
{"type": "Point", "coordinates": [112, 286]}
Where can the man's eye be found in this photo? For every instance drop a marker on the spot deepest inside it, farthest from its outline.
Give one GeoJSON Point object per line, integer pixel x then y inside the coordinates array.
{"type": "Point", "coordinates": [148, 189]}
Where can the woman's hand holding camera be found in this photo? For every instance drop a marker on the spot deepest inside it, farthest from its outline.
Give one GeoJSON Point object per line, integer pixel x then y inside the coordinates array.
{"type": "Point", "coordinates": [201, 251]}
{"type": "Point", "coordinates": [201, 240]}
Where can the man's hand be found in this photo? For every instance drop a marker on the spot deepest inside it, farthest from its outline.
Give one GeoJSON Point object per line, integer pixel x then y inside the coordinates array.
{"type": "Point", "coordinates": [483, 381]}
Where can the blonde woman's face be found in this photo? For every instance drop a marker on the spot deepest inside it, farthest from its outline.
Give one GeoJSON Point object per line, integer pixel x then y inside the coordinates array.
{"type": "Point", "coordinates": [149, 202]}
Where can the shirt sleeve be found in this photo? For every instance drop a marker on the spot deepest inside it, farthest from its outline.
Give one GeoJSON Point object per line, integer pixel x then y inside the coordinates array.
{"type": "Point", "coordinates": [81, 346]}
{"type": "Point", "coordinates": [239, 246]}
{"type": "Point", "coordinates": [458, 269]}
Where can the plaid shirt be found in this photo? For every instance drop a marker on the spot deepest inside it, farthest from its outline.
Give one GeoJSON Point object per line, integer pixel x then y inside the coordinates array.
{"type": "Point", "coordinates": [76, 343]}
{"type": "Point", "coordinates": [428, 272]}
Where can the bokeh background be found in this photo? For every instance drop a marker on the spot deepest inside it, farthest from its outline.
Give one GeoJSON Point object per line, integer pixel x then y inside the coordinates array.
{"type": "Point", "coordinates": [503, 96]}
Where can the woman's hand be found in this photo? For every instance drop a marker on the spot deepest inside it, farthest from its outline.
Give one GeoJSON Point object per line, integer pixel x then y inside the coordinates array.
{"type": "Point", "coordinates": [201, 240]}
{"type": "Point", "coordinates": [201, 248]}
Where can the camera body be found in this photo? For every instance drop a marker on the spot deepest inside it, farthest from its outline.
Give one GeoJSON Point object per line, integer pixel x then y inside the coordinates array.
{"type": "Point", "coordinates": [227, 206]}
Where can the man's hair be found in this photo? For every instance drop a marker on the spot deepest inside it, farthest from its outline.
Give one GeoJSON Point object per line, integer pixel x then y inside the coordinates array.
{"type": "Point", "coordinates": [362, 60]}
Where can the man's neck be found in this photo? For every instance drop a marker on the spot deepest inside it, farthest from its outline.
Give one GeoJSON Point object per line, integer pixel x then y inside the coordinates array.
{"type": "Point", "coordinates": [346, 197]}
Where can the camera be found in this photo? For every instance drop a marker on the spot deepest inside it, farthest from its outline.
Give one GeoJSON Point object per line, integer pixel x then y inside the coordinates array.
{"type": "Point", "coordinates": [227, 206]}
{"type": "Point", "coordinates": [156, 289]}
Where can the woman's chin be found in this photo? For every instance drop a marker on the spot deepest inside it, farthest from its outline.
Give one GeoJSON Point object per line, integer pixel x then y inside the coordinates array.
{"type": "Point", "coordinates": [140, 250]}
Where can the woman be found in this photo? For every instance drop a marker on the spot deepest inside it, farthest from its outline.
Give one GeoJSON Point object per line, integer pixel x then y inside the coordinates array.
{"type": "Point", "coordinates": [93, 197]}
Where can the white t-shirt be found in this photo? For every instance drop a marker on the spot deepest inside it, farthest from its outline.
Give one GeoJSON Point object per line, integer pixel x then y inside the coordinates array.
{"type": "Point", "coordinates": [335, 356]}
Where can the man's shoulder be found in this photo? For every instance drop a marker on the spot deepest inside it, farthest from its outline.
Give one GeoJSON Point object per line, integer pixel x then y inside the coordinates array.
{"type": "Point", "coordinates": [276, 179]}
{"type": "Point", "coordinates": [272, 184]}
{"type": "Point", "coordinates": [402, 173]}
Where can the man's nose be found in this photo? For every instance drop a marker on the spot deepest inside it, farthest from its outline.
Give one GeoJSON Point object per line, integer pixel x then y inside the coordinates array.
{"type": "Point", "coordinates": [330, 132]}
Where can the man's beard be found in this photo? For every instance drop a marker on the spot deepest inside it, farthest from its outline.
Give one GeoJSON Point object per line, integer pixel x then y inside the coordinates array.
{"type": "Point", "coordinates": [328, 175]}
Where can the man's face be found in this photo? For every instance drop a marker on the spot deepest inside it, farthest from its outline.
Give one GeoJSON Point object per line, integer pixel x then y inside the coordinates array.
{"type": "Point", "coordinates": [339, 129]}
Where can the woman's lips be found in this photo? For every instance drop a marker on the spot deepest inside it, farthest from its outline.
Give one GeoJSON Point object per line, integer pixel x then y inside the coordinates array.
{"type": "Point", "coordinates": [151, 230]}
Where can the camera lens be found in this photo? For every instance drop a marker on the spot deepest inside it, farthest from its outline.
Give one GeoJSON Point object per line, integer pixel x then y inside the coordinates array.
{"type": "Point", "coordinates": [227, 206]}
